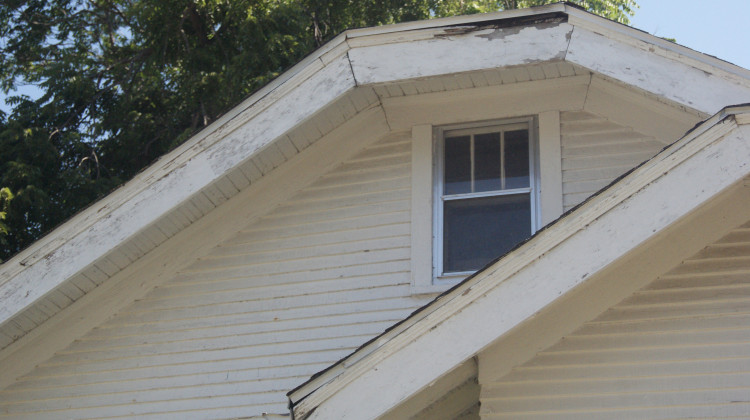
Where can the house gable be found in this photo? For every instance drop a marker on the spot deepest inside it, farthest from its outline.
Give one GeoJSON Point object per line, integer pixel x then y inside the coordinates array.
{"type": "Point", "coordinates": [284, 145]}
{"type": "Point", "coordinates": [205, 171]}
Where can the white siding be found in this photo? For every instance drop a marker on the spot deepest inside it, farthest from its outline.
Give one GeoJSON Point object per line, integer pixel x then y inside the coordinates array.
{"type": "Point", "coordinates": [229, 336]}
{"type": "Point", "coordinates": [680, 347]}
{"type": "Point", "coordinates": [596, 151]}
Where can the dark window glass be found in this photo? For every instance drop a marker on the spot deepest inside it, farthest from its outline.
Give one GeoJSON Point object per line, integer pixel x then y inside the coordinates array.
{"type": "Point", "coordinates": [457, 165]}
{"type": "Point", "coordinates": [517, 159]}
{"type": "Point", "coordinates": [487, 162]}
{"type": "Point", "coordinates": [478, 230]}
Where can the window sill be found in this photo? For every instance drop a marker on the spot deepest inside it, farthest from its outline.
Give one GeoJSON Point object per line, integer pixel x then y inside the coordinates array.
{"type": "Point", "coordinates": [430, 289]}
{"type": "Point", "coordinates": [439, 284]}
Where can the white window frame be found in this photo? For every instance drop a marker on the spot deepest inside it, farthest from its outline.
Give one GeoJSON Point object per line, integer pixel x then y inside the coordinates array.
{"type": "Point", "coordinates": [423, 158]}
{"type": "Point", "coordinates": [438, 276]}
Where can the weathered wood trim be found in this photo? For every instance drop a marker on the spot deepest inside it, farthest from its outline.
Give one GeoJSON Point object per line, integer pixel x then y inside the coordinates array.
{"type": "Point", "coordinates": [152, 195]}
{"type": "Point", "coordinates": [469, 20]}
{"type": "Point", "coordinates": [643, 68]}
{"type": "Point", "coordinates": [475, 50]}
{"type": "Point", "coordinates": [421, 208]}
{"type": "Point", "coordinates": [657, 45]}
{"type": "Point", "coordinates": [518, 286]}
{"type": "Point", "coordinates": [177, 252]}
{"type": "Point", "coordinates": [550, 166]}
{"type": "Point", "coordinates": [494, 102]}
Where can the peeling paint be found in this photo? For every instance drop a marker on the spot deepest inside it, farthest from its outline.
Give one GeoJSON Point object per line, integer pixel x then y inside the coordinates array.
{"type": "Point", "coordinates": [457, 30]}
{"type": "Point", "coordinates": [502, 33]}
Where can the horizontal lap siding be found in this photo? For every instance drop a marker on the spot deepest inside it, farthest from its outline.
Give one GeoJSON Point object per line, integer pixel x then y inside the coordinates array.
{"type": "Point", "coordinates": [595, 152]}
{"type": "Point", "coordinates": [229, 336]}
{"type": "Point", "coordinates": [678, 348]}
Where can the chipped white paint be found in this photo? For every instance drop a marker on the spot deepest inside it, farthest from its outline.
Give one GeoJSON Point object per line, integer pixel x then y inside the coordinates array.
{"type": "Point", "coordinates": [158, 197]}
{"type": "Point", "coordinates": [653, 73]}
{"type": "Point", "coordinates": [446, 53]}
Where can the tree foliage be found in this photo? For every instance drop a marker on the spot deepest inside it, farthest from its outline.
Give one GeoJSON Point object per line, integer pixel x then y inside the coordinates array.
{"type": "Point", "coordinates": [124, 81]}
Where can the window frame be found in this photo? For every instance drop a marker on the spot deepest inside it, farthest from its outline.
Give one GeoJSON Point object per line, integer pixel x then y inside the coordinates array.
{"type": "Point", "coordinates": [440, 278]}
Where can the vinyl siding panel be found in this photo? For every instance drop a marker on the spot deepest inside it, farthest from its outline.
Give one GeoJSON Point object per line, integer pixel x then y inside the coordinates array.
{"type": "Point", "coordinates": [680, 347]}
{"type": "Point", "coordinates": [596, 151]}
{"type": "Point", "coordinates": [227, 337]}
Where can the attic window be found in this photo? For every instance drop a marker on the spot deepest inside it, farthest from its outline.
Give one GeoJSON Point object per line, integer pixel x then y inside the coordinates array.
{"type": "Point", "coordinates": [484, 195]}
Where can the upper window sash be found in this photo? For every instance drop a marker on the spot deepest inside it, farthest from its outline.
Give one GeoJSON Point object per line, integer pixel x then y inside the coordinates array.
{"type": "Point", "coordinates": [530, 189]}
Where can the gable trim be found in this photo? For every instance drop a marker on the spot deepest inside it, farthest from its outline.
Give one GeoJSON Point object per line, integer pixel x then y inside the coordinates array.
{"type": "Point", "coordinates": [177, 252]}
{"type": "Point", "coordinates": [204, 160]}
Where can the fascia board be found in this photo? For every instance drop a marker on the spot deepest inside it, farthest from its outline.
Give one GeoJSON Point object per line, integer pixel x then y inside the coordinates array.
{"type": "Point", "coordinates": [484, 48]}
{"type": "Point", "coordinates": [172, 180]}
{"type": "Point", "coordinates": [620, 31]}
{"type": "Point", "coordinates": [666, 77]}
{"type": "Point", "coordinates": [454, 21]}
{"type": "Point", "coordinates": [518, 285]}
{"type": "Point", "coordinates": [183, 153]}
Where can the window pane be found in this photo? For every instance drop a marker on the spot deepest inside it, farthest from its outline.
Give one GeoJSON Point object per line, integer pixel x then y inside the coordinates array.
{"type": "Point", "coordinates": [477, 230]}
{"type": "Point", "coordinates": [457, 165]}
{"type": "Point", "coordinates": [517, 159]}
{"type": "Point", "coordinates": [487, 162]}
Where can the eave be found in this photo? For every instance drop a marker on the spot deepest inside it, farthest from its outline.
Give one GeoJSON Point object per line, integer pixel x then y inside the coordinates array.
{"type": "Point", "coordinates": [519, 286]}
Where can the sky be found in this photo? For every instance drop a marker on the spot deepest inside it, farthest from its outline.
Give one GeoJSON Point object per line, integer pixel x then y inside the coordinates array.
{"type": "Point", "coordinates": [719, 28]}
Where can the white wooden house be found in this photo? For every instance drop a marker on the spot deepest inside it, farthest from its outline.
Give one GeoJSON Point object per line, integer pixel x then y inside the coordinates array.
{"type": "Point", "coordinates": [313, 228]}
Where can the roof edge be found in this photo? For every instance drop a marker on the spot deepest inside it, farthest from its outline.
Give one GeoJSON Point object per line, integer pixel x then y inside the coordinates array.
{"type": "Point", "coordinates": [197, 163]}
{"type": "Point", "coordinates": [584, 18]}
{"type": "Point", "coordinates": [184, 151]}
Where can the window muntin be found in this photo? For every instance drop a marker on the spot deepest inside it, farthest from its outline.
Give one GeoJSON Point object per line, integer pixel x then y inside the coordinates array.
{"type": "Point", "coordinates": [485, 195]}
